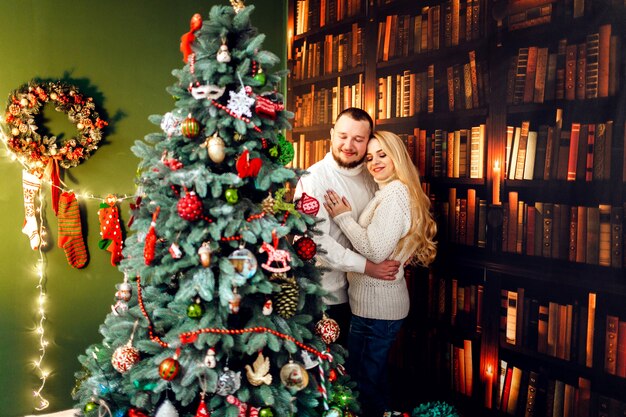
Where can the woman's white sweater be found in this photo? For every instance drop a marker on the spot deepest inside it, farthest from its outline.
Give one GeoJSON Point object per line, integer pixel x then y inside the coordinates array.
{"type": "Point", "coordinates": [381, 225]}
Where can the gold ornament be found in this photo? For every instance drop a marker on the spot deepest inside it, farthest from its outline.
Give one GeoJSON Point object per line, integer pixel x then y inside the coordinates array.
{"type": "Point", "coordinates": [205, 254]}
{"type": "Point", "coordinates": [237, 5]}
{"type": "Point", "coordinates": [215, 148]}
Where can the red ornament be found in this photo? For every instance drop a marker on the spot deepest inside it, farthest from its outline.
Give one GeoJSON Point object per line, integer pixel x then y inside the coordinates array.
{"type": "Point", "coordinates": [202, 409]}
{"type": "Point", "coordinates": [124, 358]}
{"type": "Point", "coordinates": [168, 369]}
{"type": "Point", "coordinates": [327, 329]}
{"type": "Point", "coordinates": [110, 229]}
{"type": "Point", "coordinates": [189, 207]}
{"type": "Point", "coordinates": [266, 108]}
{"type": "Point", "coordinates": [187, 39]}
{"type": "Point", "coordinates": [332, 375]}
{"type": "Point", "coordinates": [247, 167]}
{"type": "Point", "coordinates": [133, 412]}
{"type": "Point", "coordinates": [190, 127]}
{"type": "Point", "coordinates": [305, 248]}
{"type": "Point", "coordinates": [308, 205]}
{"type": "Point", "coordinates": [150, 243]}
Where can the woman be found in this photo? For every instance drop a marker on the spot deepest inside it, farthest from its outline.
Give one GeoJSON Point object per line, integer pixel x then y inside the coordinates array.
{"type": "Point", "coordinates": [396, 224]}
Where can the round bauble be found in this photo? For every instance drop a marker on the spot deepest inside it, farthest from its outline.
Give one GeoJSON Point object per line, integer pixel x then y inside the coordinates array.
{"type": "Point", "coordinates": [190, 127]}
{"type": "Point", "coordinates": [333, 411]}
{"type": "Point", "coordinates": [308, 205]}
{"type": "Point", "coordinates": [124, 358]}
{"type": "Point", "coordinates": [244, 262]}
{"type": "Point", "coordinates": [169, 368]}
{"type": "Point", "coordinates": [266, 412]}
{"type": "Point", "coordinates": [294, 376]}
{"type": "Point", "coordinates": [231, 195]}
{"type": "Point", "coordinates": [328, 330]}
{"type": "Point", "coordinates": [216, 149]}
{"type": "Point", "coordinates": [260, 78]}
{"type": "Point", "coordinates": [189, 207]}
{"type": "Point", "coordinates": [194, 310]}
{"type": "Point", "coordinates": [90, 406]}
{"type": "Point", "coordinates": [305, 248]}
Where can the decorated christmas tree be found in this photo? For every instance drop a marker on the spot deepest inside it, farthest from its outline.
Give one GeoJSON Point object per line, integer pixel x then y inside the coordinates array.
{"type": "Point", "coordinates": [220, 310]}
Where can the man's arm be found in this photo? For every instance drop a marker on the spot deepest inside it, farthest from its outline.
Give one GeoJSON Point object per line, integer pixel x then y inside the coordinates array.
{"type": "Point", "coordinates": [386, 270]}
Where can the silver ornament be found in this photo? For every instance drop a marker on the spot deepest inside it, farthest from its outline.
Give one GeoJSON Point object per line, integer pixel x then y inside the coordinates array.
{"type": "Point", "coordinates": [166, 410]}
{"type": "Point", "coordinates": [228, 382]}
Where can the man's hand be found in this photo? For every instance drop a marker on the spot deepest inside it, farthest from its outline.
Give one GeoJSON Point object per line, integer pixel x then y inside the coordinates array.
{"type": "Point", "coordinates": [385, 270]}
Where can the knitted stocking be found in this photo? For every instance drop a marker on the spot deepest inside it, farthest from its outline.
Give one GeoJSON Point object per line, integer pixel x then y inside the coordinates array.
{"type": "Point", "coordinates": [110, 230]}
{"type": "Point", "coordinates": [30, 185]}
{"type": "Point", "coordinates": [70, 231]}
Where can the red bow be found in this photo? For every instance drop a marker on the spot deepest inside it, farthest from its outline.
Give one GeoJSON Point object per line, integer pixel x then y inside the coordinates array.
{"type": "Point", "coordinates": [247, 167]}
{"type": "Point", "coordinates": [187, 39]}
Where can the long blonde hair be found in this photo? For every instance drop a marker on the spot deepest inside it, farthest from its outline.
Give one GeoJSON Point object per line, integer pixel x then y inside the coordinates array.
{"type": "Point", "coordinates": [419, 241]}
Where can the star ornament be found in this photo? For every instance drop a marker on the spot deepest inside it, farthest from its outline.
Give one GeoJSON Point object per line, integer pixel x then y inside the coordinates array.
{"type": "Point", "coordinates": [239, 103]}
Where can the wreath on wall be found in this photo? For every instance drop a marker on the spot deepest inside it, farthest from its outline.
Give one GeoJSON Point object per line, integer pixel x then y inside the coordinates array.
{"type": "Point", "coordinates": [39, 152]}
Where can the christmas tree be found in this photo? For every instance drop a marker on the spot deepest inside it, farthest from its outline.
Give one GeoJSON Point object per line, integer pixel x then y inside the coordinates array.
{"type": "Point", "coordinates": [220, 311]}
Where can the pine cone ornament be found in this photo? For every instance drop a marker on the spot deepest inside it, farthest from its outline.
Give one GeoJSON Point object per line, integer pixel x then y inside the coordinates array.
{"type": "Point", "coordinates": [287, 298]}
{"type": "Point", "coordinates": [267, 205]}
{"type": "Point", "coordinates": [189, 207]}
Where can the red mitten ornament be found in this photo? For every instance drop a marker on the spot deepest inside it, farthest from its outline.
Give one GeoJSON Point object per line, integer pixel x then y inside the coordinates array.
{"type": "Point", "coordinates": [247, 167]}
{"type": "Point", "coordinates": [187, 39]}
{"type": "Point", "coordinates": [150, 242]}
{"type": "Point", "coordinates": [305, 248]}
{"type": "Point", "coordinates": [190, 207]}
{"type": "Point", "coordinates": [110, 229]}
{"type": "Point", "coordinates": [308, 205]}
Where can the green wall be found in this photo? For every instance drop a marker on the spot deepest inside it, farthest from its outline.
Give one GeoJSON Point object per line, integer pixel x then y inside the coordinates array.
{"type": "Point", "coordinates": [121, 52]}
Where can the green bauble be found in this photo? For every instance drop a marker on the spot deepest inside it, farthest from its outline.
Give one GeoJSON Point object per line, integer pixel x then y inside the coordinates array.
{"type": "Point", "coordinates": [266, 412]}
{"type": "Point", "coordinates": [194, 310]}
{"type": "Point", "coordinates": [260, 78]}
{"type": "Point", "coordinates": [90, 406]}
{"type": "Point", "coordinates": [231, 196]}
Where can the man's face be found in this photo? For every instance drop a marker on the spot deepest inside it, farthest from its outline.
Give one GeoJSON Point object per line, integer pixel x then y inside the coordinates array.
{"type": "Point", "coordinates": [348, 141]}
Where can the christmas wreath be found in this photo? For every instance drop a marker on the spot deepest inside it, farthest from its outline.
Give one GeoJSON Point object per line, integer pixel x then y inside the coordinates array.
{"type": "Point", "coordinates": [38, 151]}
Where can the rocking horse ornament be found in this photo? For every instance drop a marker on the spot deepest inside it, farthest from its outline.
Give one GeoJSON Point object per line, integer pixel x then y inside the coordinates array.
{"type": "Point", "coordinates": [275, 255]}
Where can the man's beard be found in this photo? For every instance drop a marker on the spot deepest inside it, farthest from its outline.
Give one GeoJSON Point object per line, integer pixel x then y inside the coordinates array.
{"type": "Point", "coordinates": [347, 165]}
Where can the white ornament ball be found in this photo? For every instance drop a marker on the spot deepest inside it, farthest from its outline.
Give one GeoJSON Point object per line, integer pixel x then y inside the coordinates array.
{"type": "Point", "coordinates": [124, 358]}
{"type": "Point", "coordinates": [24, 102]}
{"type": "Point", "coordinates": [223, 55]}
{"type": "Point", "coordinates": [216, 149]}
{"type": "Point", "coordinates": [166, 410]}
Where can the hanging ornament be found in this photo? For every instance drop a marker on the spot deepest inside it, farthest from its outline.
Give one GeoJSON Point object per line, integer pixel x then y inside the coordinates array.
{"type": "Point", "coordinates": [308, 205]}
{"type": "Point", "coordinates": [327, 329]}
{"type": "Point", "coordinates": [169, 367]}
{"type": "Point", "coordinates": [333, 411]}
{"type": "Point", "coordinates": [123, 295]}
{"type": "Point", "coordinates": [268, 307]}
{"type": "Point", "coordinates": [190, 127]}
{"type": "Point", "coordinates": [172, 163]}
{"type": "Point", "coordinates": [175, 251]}
{"type": "Point", "coordinates": [247, 167]}
{"type": "Point", "coordinates": [286, 151]}
{"type": "Point", "coordinates": [189, 206]}
{"type": "Point", "coordinates": [287, 298]}
{"type": "Point", "coordinates": [170, 124]}
{"type": "Point", "coordinates": [228, 382]}
{"type": "Point", "coordinates": [231, 195]}
{"type": "Point", "coordinates": [202, 411]}
{"type": "Point", "coordinates": [294, 376]}
{"type": "Point", "coordinates": [305, 248]}
{"type": "Point", "coordinates": [332, 375]}
{"type": "Point", "coordinates": [195, 310]}
{"type": "Point", "coordinates": [205, 254]}
{"type": "Point", "coordinates": [235, 302]}
{"type": "Point", "coordinates": [244, 262]}
{"type": "Point", "coordinates": [239, 103]}
{"type": "Point", "coordinates": [267, 205]}
{"type": "Point", "coordinates": [125, 357]}
{"type": "Point", "coordinates": [258, 373]}
{"type": "Point", "coordinates": [223, 54]}
{"type": "Point", "coordinates": [307, 361]}
{"type": "Point", "coordinates": [215, 148]}
{"type": "Point", "coordinates": [209, 92]}
{"type": "Point", "coordinates": [244, 409]}
{"type": "Point", "coordinates": [166, 410]}
{"type": "Point", "coordinates": [266, 412]}
{"type": "Point", "coordinates": [90, 406]}
{"type": "Point", "coordinates": [260, 77]}
{"type": "Point", "coordinates": [133, 412]}
{"type": "Point", "coordinates": [209, 359]}
{"type": "Point", "coordinates": [265, 107]}
{"type": "Point", "coordinates": [110, 231]}
{"type": "Point", "coordinates": [150, 239]}
{"type": "Point", "coordinates": [187, 39]}
{"type": "Point", "coordinates": [275, 255]}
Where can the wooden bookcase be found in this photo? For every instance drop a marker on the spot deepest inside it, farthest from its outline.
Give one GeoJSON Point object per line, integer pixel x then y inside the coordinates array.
{"type": "Point", "coordinates": [529, 274]}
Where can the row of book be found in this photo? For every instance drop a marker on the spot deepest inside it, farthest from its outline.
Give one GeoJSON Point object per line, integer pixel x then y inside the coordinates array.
{"type": "Point", "coordinates": [591, 235]}
{"type": "Point", "coordinates": [308, 152]}
{"type": "Point", "coordinates": [579, 152]}
{"type": "Point", "coordinates": [312, 14]}
{"type": "Point", "coordinates": [405, 35]}
{"type": "Point", "coordinates": [443, 154]}
{"type": "Point", "coordinates": [320, 106]}
{"type": "Point", "coordinates": [574, 72]}
{"type": "Point", "coordinates": [457, 302]}
{"type": "Point", "coordinates": [462, 220]}
{"type": "Point", "coordinates": [406, 94]}
{"type": "Point", "coordinates": [615, 346]}
{"type": "Point", "coordinates": [335, 54]}
{"type": "Point", "coordinates": [564, 331]}
{"type": "Point", "coordinates": [462, 369]}
{"type": "Point", "coordinates": [525, 17]}
{"type": "Point", "coordinates": [467, 84]}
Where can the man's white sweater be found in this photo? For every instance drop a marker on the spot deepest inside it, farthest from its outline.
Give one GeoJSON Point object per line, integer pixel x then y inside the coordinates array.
{"type": "Point", "coordinates": [358, 187]}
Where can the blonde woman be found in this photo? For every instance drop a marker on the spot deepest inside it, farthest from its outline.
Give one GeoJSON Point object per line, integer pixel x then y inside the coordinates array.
{"type": "Point", "coordinates": [396, 224]}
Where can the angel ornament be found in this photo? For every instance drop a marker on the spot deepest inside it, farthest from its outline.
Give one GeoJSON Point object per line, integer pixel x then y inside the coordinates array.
{"type": "Point", "coordinates": [259, 372]}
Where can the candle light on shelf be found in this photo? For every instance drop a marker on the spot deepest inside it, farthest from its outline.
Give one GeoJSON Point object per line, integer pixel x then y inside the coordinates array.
{"type": "Point", "coordinates": [496, 183]}
{"type": "Point", "coordinates": [488, 386]}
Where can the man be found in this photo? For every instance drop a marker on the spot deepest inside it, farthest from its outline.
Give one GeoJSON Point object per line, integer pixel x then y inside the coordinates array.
{"type": "Point", "coordinates": [342, 170]}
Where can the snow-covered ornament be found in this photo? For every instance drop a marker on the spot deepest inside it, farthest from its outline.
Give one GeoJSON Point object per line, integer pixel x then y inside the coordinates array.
{"type": "Point", "coordinates": [209, 92]}
{"type": "Point", "coordinates": [223, 55]}
{"type": "Point", "coordinates": [239, 103]}
{"type": "Point", "coordinates": [170, 124]}
{"type": "Point", "coordinates": [166, 410]}
{"type": "Point", "coordinates": [228, 382]}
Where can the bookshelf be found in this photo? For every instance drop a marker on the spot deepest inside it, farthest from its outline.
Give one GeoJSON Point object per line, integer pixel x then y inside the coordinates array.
{"type": "Point", "coordinates": [514, 112]}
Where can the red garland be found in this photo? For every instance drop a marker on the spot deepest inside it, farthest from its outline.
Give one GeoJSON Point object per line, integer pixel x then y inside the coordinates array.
{"type": "Point", "coordinates": [190, 337]}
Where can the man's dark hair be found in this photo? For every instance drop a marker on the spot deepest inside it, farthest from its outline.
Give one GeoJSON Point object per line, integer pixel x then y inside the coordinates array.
{"type": "Point", "coordinates": [359, 115]}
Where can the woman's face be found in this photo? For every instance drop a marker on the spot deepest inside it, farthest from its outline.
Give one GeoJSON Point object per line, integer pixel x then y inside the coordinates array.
{"type": "Point", "coordinates": [379, 164]}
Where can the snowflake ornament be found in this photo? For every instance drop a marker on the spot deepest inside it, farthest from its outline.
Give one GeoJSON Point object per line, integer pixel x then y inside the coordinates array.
{"type": "Point", "coordinates": [239, 103]}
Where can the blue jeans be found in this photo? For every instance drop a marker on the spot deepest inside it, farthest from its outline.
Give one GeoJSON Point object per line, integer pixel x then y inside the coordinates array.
{"type": "Point", "coordinates": [369, 342]}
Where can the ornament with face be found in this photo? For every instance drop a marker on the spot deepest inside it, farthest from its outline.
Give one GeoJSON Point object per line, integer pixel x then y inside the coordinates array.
{"type": "Point", "coordinates": [349, 141]}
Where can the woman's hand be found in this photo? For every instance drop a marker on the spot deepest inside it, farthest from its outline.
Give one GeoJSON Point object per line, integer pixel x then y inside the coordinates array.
{"type": "Point", "coordinates": [335, 204]}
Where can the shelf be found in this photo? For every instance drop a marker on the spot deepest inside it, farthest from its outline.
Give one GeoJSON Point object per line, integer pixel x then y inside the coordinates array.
{"type": "Point", "coordinates": [315, 132]}
{"type": "Point", "coordinates": [573, 192]}
{"type": "Point", "coordinates": [582, 111]}
{"type": "Point", "coordinates": [452, 120]}
{"type": "Point", "coordinates": [323, 79]}
{"type": "Point", "coordinates": [335, 27]}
